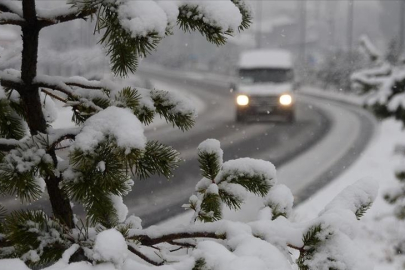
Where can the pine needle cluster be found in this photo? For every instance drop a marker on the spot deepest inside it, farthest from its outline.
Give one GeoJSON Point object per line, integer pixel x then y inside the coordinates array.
{"type": "Point", "coordinates": [221, 186]}
{"type": "Point", "coordinates": [31, 160]}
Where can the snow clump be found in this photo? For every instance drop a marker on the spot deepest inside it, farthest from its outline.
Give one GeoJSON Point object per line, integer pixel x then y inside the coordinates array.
{"type": "Point", "coordinates": [119, 123]}
{"type": "Point", "coordinates": [110, 246]}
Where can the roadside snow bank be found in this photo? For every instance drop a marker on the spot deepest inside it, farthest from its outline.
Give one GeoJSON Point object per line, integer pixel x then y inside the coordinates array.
{"type": "Point", "coordinates": [380, 230]}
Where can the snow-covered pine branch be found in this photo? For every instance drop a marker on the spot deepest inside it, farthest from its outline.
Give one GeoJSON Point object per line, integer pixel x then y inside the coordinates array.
{"type": "Point", "coordinates": [10, 13]}
{"type": "Point", "coordinates": [142, 24]}
{"type": "Point", "coordinates": [369, 49]}
{"type": "Point", "coordinates": [384, 84]}
{"type": "Point", "coordinates": [326, 240]}
{"type": "Point", "coordinates": [108, 148]}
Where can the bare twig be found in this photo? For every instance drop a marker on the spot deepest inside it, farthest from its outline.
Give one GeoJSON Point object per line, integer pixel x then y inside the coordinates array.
{"type": "Point", "coordinates": [11, 84]}
{"type": "Point", "coordinates": [143, 256]}
{"type": "Point", "coordinates": [74, 15]}
{"type": "Point", "coordinates": [8, 6]}
{"type": "Point", "coordinates": [149, 241]}
{"type": "Point", "coordinates": [182, 244]}
{"type": "Point", "coordinates": [53, 95]}
{"type": "Point", "coordinates": [8, 144]}
{"type": "Point", "coordinates": [12, 19]}
{"type": "Point", "coordinates": [300, 249]}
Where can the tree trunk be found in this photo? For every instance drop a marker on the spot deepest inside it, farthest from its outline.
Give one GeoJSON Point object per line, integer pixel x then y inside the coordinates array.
{"type": "Point", "coordinates": [31, 103]}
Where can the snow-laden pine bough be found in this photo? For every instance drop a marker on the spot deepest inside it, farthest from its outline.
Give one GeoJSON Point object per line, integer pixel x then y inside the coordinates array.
{"type": "Point", "coordinates": [108, 148]}
{"type": "Point", "coordinates": [273, 241]}
{"type": "Point", "coordinates": [384, 83]}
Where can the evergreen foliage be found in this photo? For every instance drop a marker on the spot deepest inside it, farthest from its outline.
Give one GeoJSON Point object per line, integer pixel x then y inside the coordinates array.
{"type": "Point", "coordinates": [313, 239]}
{"type": "Point", "coordinates": [222, 186]}
{"type": "Point", "coordinates": [93, 176]}
{"type": "Point", "coordinates": [362, 210]}
{"type": "Point", "coordinates": [384, 82]}
{"type": "Point", "coordinates": [101, 162]}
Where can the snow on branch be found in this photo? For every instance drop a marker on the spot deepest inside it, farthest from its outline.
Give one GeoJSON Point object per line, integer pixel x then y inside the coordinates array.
{"type": "Point", "coordinates": [144, 257]}
{"type": "Point", "coordinates": [142, 24]}
{"type": "Point", "coordinates": [48, 17]}
{"type": "Point", "coordinates": [11, 14]}
{"type": "Point", "coordinates": [357, 198]}
{"type": "Point", "coordinates": [11, 18]}
{"type": "Point", "coordinates": [11, 7]}
{"type": "Point", "coordinates": [56, 136]}
{"type": "Point", "coordinates": [11, 78]}
{"type": "Point", "coordinates": [118, 123]}
{"type": "Point", "coordinates": [227, 183]}
{"type": "Point", "coordinates": [369, 49]}
{"type": "Point", "coordinates": [7, 144]}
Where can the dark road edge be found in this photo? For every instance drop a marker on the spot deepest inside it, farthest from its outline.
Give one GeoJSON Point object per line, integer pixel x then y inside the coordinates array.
{"type": "Point", "coordinates": [367, 131]}
{"type": "Point", "coordinates": [368, 125]}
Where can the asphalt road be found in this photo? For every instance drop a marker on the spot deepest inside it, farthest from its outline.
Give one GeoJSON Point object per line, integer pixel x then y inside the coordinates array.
{"type": "Point", "coordinates": [326, 138]}
{"type": "Point", "coordinates": [318, 121]}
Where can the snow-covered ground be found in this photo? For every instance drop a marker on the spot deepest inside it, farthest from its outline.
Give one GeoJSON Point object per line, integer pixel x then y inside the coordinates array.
{"type": "Point", "coordinates": [380, 230]}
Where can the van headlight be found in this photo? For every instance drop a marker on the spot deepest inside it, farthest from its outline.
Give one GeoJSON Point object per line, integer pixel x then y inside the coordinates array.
{"type": "Point", "coordinates": [242, 100]}
{"type": "Point", "coordinates": [285, 100]}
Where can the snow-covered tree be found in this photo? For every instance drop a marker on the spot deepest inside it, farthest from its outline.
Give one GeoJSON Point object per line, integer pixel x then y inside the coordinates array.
{"type": "Point", "coordinates": [384, 84]}
{"type": "Point", "coordinates": [108, 148]}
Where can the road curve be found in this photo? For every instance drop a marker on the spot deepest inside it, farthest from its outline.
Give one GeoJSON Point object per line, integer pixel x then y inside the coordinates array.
{"type": "Point", "coordinates": [337, 132]}
{"type": "Point", "coordinates": [327, 137]}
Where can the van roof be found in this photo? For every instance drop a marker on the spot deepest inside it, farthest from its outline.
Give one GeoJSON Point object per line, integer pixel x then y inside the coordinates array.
{"type": "Point", "coordinates": [265, 59]}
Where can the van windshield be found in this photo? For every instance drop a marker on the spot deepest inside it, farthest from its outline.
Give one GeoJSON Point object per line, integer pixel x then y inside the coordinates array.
{"type": "Point", "coordinates": [265, 75]}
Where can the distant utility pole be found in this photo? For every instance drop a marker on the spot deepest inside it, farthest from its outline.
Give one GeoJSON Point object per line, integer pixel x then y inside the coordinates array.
{"type": "Point", "coordinates": [303, 30]}
{"type": "Point", "coordinates": [350, 19]}
{"type": "Point", "coordinates": [401, 26]}
{"type": "Point", "coordinates": [259, 8]}
{"type": "Point", "coordinates": [331, 11]}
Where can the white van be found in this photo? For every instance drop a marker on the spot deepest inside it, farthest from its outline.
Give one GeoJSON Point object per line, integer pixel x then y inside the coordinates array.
{"type": "Point", "coordinates": [265, 84]}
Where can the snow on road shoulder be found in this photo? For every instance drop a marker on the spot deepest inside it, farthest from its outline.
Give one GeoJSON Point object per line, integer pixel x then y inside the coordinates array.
{"type": "Point", "coordinates": [379, 229]}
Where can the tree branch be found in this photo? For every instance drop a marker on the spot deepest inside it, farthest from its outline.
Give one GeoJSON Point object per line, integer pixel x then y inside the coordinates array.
{"type": "Point", "coordinates": [182, 244]}
{"type": "Point", "coordinates": [300, 249]}
{"type": "Point", "coordinates": [8, 144]}
{"type": "Point", "coordinates": [62, 138]}
{"type": "Point", "coordinates": [13, 84]}
{"type": "Point", "coordinates": [65, 17]}
{"type": "Point", "coordinates": [82, 85]}
{"type": "Point", "coordinates": [143, 256]}
{"type": "Point", "coordinates": [53, 95]}
{"type": "Point", "coordinates": [11, 18]}
{"type": "Point", "coordinates": [150, 241]}
{"type": "Point", "coordinates": [61, 86]}
{"type": "Point", "coordinates": [11, 8]}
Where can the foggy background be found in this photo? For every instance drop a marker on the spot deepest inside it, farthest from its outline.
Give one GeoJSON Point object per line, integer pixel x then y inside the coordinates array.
{"type": "Point", "coordinates": [323, 36]}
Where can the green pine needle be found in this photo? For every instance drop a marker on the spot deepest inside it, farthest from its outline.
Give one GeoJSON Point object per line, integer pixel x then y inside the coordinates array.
{"type": "Point", "coordinates": [362, 210]}
{"type": "Point", "coordinates": [256, 184]}
{"type": "Point", "coordinates": [11, 124]}
{"type": "Point", "coordinates": [209, 164]}
{"type": "Point", "coordinates": [200, 264]}
{"type": "Point", "coordinates": [166, 108]}
{"type": "Point", "coordinates": [190, 19]}
{"type": "Point", "coordinates": [210, 208]}
{"type": "Point", "coordinates": [157, 159]}
{"type": "Point", "coordinates": [230, 200]}
{"type": "Point", "coordinates": [34, 230]}
{"type": "Point", "coordinates": [124, 49]}
{"type": "Point", "coordinates": [247, 16]}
